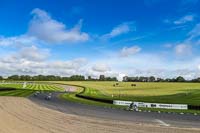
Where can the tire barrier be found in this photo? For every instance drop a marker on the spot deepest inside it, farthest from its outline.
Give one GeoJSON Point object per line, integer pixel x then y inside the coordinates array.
{"type": "Point", "coordinates": [194, 107]}
{"type": "Point", "coordinates": [95, 99]}
{"type": "Point", "coordinates": [7, 89]}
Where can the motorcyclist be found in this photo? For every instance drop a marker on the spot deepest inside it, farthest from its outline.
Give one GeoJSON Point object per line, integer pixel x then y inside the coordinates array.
{"type": "Point", "coordinates": [131, 106]}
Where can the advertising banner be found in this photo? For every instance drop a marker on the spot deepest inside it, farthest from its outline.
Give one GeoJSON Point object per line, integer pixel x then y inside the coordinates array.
{"type": "Point", "coordinates": [151, 105]}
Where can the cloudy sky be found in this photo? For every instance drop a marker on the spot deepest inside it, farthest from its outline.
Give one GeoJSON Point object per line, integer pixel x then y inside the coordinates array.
{"type": "Point", "coordinates": [93, 37]}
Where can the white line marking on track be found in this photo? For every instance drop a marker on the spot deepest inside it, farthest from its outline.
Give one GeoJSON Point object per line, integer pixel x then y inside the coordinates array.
{"type": "Point", "coordinates": [162, 123]}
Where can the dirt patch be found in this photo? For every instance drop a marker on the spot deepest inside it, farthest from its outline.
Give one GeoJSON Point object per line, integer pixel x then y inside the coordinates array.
{"type": "Point", "coordinates": [20, 115]}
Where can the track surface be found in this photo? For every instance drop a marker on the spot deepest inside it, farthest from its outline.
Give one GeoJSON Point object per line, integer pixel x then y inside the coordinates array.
{"type": "Point", "coordinates": [161, 119]}
{"type": "Point", "coordinates": [21, 115]}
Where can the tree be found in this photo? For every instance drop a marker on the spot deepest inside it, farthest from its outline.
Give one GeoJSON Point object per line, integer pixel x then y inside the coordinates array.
{"type": "Point", "coordinates": [14, 77]}
{"type": "Point", "coordinates": [101, 77]}
{"type": "Point", "coordinates": [180, 79]}
{"type": "Point", "coordinates": [167, 80]}
{"type": "Point", "coordinates": [25, 77]}
{"type": "Point", "coordinates": [152, 79]}
{"type": "Point", "coordinates": [89, 78]}
{"type": "Point", "coordinates": [77, 78]}
{"type": "Point", "coordinates": [65, 78]}
{"type": "Point", "coordinates": [114, 79]}
{"type": "Point", "coordinates": [125, 78]}
{"type": "Point", "coordinates": [143, 79]}
{"type": "Point", "coordinates": [160, 80]}
{"type": "Point", "coordinates": [1, 78]}
{"type": "Point", "coordinates": [195, 80]}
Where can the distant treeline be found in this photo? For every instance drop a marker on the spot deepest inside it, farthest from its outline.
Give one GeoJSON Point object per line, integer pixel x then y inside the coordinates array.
{"type": "Point", "coordinates": [89, 78]}
{"type": "Point", "coordinates": [153, 79]}
{"type": "Point", "coordinates": [56, 78]}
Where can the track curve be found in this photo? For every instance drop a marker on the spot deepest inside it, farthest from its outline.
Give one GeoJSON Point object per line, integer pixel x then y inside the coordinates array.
{"type": "Point", "coordinates": [162, 119]}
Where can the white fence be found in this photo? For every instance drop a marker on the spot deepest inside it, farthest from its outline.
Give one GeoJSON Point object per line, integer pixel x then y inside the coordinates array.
{"type": "Point", "coordinates": [152, 105]}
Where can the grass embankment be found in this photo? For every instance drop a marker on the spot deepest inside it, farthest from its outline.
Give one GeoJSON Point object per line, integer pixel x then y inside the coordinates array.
{"type": "Point", "coordinates": [73, 98]}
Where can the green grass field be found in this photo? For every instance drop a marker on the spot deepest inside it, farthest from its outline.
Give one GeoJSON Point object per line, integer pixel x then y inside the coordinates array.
{"type": "Point", "coordinates": [28, 90]}
{"type": "Point", "coordinates": [43, 87]}
{"type": "Point", "coordinates": [182, 93]}
{"type": "Point", "coordinates": [20, 93]}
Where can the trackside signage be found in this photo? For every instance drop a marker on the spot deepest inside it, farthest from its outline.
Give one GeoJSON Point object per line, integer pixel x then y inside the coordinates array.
{"type": "Point", "coordinates": [161, 105]}
{"type": "Point", "coordinates": [152, 105]}
{"type": "Point", "coordinates": [124, 103]}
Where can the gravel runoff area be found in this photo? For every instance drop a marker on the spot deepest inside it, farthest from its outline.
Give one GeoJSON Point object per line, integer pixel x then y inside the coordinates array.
{"type": "Point", "coordinates": [21, 115]}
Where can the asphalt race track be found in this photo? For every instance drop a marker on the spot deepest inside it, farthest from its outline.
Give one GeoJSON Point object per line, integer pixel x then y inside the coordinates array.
{"type": "Point", "coordinates": [162, 119]}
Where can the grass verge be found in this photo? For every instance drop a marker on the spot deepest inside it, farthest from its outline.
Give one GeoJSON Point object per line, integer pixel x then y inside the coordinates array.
{"type": "Point", "coordinates": [19, 93]}
{"type": "Point", "coordinates": [72, 98]}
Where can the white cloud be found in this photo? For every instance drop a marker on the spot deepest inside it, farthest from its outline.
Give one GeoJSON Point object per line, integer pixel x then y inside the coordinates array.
{"type": "Point", "coordinates": [72, 64]}
{"type": "Point", "coordinates": [127, 51]}
{"type": "Point", "coordinates": [183, 49]}
{"type": "Point", "coordinates": [168, 45]}
{"type": "Point", "coordinates": [31, 53]}
{"type": "Point", "coordinates": [17, 41]}
{"type": "Point", "coordinates": [120, 29]}
{"type": "Point", "coordinates": [29, 58]}
{"type": "Point", "coordinates": [141, 64]}
{"type": "Point", "coordinates": [194, 33]}
{"type": "Point", "coordinates": [43, 28]}
{"type": "Point", "coordinates": [101, 67]}
{"type": "Point", "coordinates": [184, 19]}
{"type": "Point", "coordinates": [34, 53]}
{"type": "Point", "coordinates": [152, 64]}
{"type": "Point", "coordinates": [34, 61]}
{"type": "Point", "coordinates": [180, 21]}
{"type": "Point", "coordinates": [49, 30]}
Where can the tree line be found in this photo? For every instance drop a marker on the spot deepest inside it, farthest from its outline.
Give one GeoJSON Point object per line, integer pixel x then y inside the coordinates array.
{"type": "Point", "coordinates": [57, 78]}
{"type": "Point", "coordinates": [89, 78]}
{"type": "Point", "coordinates": [154, 79]}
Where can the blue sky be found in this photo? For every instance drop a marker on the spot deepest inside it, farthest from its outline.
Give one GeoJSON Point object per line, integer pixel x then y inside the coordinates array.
{"type": "Point", "coordinates": [93, 37]}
